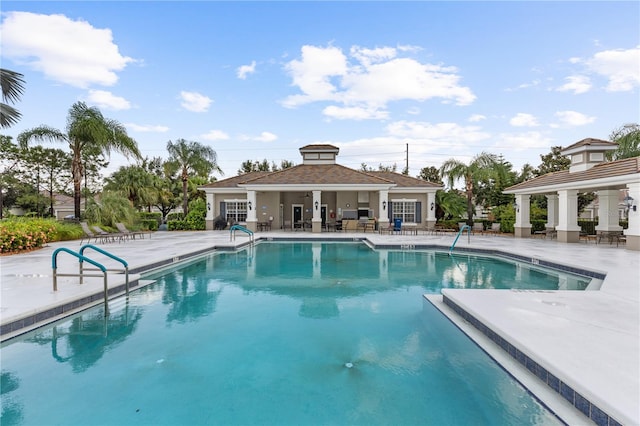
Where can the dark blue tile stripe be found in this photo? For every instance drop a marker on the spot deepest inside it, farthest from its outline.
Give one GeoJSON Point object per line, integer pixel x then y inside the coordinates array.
{"type": "Point", "coordinates": [567, 392]}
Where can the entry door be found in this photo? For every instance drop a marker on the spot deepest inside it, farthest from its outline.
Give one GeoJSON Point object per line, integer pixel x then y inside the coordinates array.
{"type": "Point", "coordinates": [323, 214]}
{"type": "Point", "coordinates": [297, 213]}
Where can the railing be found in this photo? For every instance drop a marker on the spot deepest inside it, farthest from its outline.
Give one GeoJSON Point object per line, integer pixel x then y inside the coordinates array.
{"type": "Point", "coordinates": [468, 228]}
{"type": "Point", "coordinates": [234, 228]}
{"type": "Point", "coordinates": [112, 256]}
{"type": "Point", "coordinates": [54, 264]}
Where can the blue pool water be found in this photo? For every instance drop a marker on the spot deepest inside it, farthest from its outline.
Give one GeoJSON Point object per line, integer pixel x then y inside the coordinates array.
{"type": "Point", "coordinates": [280, 334]}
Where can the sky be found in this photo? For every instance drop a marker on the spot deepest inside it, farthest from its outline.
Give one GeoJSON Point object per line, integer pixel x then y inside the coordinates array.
{"type": "Point", "coordinates": [386, 82]}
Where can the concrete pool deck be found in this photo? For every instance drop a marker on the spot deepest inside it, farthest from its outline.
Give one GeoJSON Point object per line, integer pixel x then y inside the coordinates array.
{"type": "Point", "coordinates": [587, 339]}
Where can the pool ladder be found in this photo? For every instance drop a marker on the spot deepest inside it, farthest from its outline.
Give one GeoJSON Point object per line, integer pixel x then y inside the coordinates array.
{"type": "Point", "coordinates": [234, 228]}
{"type": "Point", "coordinates": [468, 228]}
{"type": "Point", "coordinates": [98, 267]}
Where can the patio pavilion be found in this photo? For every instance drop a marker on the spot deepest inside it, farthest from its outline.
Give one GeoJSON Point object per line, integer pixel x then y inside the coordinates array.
{"type": "Point", "coordinates": [589, 172]}
{"type": "Point", "coordinates": [319, 192]}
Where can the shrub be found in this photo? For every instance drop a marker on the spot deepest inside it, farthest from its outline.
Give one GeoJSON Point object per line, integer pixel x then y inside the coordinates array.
{"type": "Point", "coordinates": [150, 224]}
{"type": "Point", "coordinates": [148, 216]}
{"type": "Point", "coordinates": [175, 216]}
{"type": "Point", "coordinates": [18, 235]}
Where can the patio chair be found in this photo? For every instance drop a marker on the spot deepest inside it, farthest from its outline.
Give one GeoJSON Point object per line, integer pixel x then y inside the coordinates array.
{"type": "Point", "coordinates": [109, 235]}
{"type": "Point", "coordinates": [287, 225]}
{"type": "Point", "coordinates": [478, 227]}
{"type": "Point", "coordinates": [494, 230]}
{"type": "Point", "coordinates": [127, 233]}
{"type": "Point", "coordinates": [88, 233]}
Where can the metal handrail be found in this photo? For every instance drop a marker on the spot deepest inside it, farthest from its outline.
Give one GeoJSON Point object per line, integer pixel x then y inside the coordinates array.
{"type": "Point", "coordinates": [232, 234]}
{"type": "Point", "coordinates": [81, 258]}
{"type": "Point", "coordinates": [112, 256]}
{"type": "Point", "coordinates": [458, 236]}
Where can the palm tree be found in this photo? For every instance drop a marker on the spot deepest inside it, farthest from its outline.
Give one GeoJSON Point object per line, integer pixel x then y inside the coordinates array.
{"type": "Point", "coordinates": [88, 131]}
{"type": "Point", "coordinates": [482, 166]}
{"type": "Point", "coordinates": [12, 88]}
{"type": "Point", "coordinates": [187, 158]}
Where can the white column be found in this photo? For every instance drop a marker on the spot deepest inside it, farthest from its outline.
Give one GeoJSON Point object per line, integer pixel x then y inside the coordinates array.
{"type": "Point", "coordinates": [608, 218]}
{"type": "Point", "coordinates": [522, 227]}
{"type": "Point", "coordinates": [431, 209]}
{"type": "Point", "coordinates": [251, 210]}
{"type": "Point", "coordinates": [383, 206]}
{"type": "Point", "coordinates": [633, 231]}
{"type": "Point", "coordinates": [316, 218]}
{"type": "Point", "coordinates": [552, 210]}
{"type": "Point", "coordinates": [568, 229]}
{"type": "Point", "coordinates": [211, 211]}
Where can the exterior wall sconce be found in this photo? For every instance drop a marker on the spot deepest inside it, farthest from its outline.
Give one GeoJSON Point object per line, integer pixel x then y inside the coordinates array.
{"type": "Point", "coordinates": [629, 202]}
{"type": "Point", "coordinates": [517, 207]}
{"type": "Point", "coordinates": [384, 205]}
{"type": "Point", "coordinates": [433, 205]}
{"type": "Point", "coordinates": [209, 206]}
{"type": "Point", "coordinates": [249, 205]}
{"type": "Point", "coordinates": [316, 204]}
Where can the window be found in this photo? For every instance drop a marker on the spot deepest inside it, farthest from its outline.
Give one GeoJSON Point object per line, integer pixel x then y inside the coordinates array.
{"type": "Point", "coordinates": [236, 211]}
{"type": "Point", "coordinates": [405, 210]}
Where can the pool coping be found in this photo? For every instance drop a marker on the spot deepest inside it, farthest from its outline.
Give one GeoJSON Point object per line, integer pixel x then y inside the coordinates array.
{"type": "Point", "coordinates": [22, 324]}
{"type": "Point", "coordinates": [618, 286]}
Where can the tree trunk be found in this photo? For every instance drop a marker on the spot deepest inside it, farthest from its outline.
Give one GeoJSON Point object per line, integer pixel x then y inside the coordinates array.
{"type": "Point", "coordinates": [185, 196]}
{"type": "Point", "coordinates": [76, 171]}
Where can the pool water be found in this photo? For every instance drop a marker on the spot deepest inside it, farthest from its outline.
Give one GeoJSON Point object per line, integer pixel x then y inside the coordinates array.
{"type": "Point", "coordinates": [279, 334]}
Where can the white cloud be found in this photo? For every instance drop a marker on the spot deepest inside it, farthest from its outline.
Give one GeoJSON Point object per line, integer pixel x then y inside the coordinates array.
{"type": "Point", "coordinates": [533, 83]}
{"type": "Point", "coordinates": [243, 70]}
{"type": "Point", "coordinates": [573, 119]}
{"type": "Point", "coordinates": [107, 100]}
{"type": "Point", "coordinates": [354, 113]}
{"type": "Point", "coordinates": [195, 102]}
{"type": "Point", "coordinates": [66, 51]}
{"type": "Point", "coordinates": [266, 137]}
{"type": "Point", "coordinates": [522, 141]}
{"type": "Point", "coordinates": [361, 84]}
{"type": "Point", "coordinates": [263, 137]}
{"type": "Point", "coordinates": [524, 120]}
{"type": "Point", "coordinates": [621, 67]}
{"type": "Point", "coordinates": [215, 135]}
{"type": "Point", "coordinates": [577, 84]}
{"type": "Point", "coordinates": [448, 133]}
{"type": "Point", "coordinates": [476, 118]}
{"type": "Point", "coordinates": [147, 128]}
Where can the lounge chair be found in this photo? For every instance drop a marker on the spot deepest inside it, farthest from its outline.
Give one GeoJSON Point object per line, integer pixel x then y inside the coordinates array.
{"type": "Point", "coordinates": [88, 233]}
{"type": "Point", "coordinates": [127, 233]}
{"type": "Point", "coordinates": [109, 235]}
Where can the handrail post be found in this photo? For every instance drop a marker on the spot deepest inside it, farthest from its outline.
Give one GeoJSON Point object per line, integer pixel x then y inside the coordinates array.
{"type": "Point", "coordinates": [55, 279]}
{"type": "Point", "coordinates": [106, 296]}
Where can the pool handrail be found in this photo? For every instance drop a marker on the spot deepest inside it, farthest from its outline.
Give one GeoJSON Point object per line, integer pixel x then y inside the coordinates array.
{"type": "Point", "coordinates": [468, 228]}
{"type": "Point", "coordinates": [232, 234]}
{"type": "Point", "coordinates": [81, 258]}
{"type": "Point", "coordinates": [110, 255]}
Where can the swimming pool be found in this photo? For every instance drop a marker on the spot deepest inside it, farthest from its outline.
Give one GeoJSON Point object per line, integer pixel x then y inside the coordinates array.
{"type": "Point", "coordinates": [282, 333]}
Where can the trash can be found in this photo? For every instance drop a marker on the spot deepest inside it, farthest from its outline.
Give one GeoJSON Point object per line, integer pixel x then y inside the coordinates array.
{"type": "Point", "coordinates": [397, 225]}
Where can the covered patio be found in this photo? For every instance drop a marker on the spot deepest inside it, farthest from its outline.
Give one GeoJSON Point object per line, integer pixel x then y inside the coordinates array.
{"type": "Point", "coordinates": [589, 172]}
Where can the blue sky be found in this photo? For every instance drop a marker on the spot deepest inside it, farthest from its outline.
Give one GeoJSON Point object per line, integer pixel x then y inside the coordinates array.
{"type": "Point", "coordinates": [258, 80]}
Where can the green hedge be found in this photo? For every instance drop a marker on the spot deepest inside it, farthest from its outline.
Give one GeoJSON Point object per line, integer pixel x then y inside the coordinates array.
{"type": "Point", "coordinates": [150, 224]}
{"type": "Point", "coordinates": [175, 216]}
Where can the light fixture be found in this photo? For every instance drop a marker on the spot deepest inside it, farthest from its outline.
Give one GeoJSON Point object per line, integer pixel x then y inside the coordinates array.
{"type": "Point", "coordinates": [629, 202]}
{"type": "Point", "coordinates": [384, 205]}
{"type": "Point", "coordinates": [209, 206]}
{"type": "Point", "coordinates": [517, 207]}
{"type": "Point", "coordinates": [433, 205]}
{"type": "Point", "coordinates": [316, 204]}
{"type": "Point", "coordinates": [249, 204]}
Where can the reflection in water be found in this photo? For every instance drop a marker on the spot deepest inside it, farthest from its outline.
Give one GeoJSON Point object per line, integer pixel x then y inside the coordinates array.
{"type": "Point", "coordinates": [11, 413]}
{"type": "Point", "coordinates": [337, 329]}
{"type": "Point", "coordinates": [189, 294]}
{"type": "Point", "coordinates": [83, 340]}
